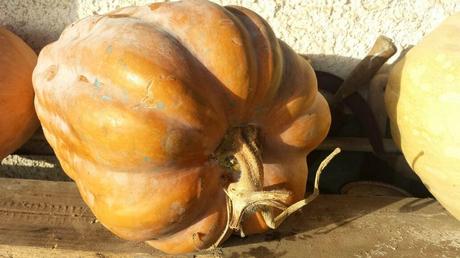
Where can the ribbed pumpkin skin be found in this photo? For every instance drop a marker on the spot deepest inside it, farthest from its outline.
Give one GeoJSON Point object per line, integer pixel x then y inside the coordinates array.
{"type": "Point", "coordinates": [18, 120]}
{"type": "Point", "coordinates": [135, 103]}
{"type": "Point", "coordinates": [423, 103]}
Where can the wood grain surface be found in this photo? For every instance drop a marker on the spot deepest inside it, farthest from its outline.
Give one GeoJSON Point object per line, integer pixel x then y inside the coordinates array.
{"type": "Point", "coordinates": [49, 219]}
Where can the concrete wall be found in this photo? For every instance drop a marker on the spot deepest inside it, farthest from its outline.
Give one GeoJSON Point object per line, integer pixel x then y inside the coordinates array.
{"type": "Point", "coordinates": [335, 33]}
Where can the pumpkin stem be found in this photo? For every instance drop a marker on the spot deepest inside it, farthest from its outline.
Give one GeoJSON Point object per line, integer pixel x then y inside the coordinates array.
{"type": "Point", "coordinates": [241, 154]}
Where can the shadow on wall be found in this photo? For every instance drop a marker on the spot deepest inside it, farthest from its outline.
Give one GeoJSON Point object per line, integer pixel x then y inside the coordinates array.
{"type": "Point", "coordinates": [38, 22]}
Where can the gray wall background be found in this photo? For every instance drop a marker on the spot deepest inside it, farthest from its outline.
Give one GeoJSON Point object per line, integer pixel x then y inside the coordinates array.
{"type": "Point", "coordinates": [334, 33]}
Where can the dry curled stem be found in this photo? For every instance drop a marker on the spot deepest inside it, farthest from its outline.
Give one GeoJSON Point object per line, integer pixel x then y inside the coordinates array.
{"type": "Point", "coordinates": [246, 195]}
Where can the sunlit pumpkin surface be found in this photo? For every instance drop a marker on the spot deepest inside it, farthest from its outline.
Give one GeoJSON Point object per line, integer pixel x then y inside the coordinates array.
{"type": "Point", "coordinates": [18, 120]}
{"type": "Point", "coordinates": [423, 102]}
{"type": "Point", "coordinates": [136, 102]}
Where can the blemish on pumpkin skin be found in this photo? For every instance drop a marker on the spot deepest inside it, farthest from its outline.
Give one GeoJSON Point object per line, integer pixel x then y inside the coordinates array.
{"type": "Point", "coordinates": [147, 159]}
{"type": "Point", "coordinates": [83, 78]}
{"type": "Point", "coordinates": [148, 90]}
{"type": "Point", "coordinates": [237, 41]}
{"type": "Point", "coordinates": [118, 15]}
{"type": "Point", "coordinates": [176, 208]}
{"type": "Point", "coordinates": [51, 72]}
{"type": "Point", "coordinates": [109, 49]}
{"type": "Point", "coordinates": [154, 6]}
{"type": "Point", "coordinates": [226, 22]}
{"type": "Point", "coordinates": [106, 98]}
{"type": "Point", "coordinates": [159, 105]}
{"type": "Point", "coordinates": [171, 141]}
{"type": "Point", "coordinates": [97, 83]}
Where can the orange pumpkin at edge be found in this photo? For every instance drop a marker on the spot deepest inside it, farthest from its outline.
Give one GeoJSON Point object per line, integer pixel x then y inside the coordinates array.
{"type": "Point", "coordinates": [18, 120]}
{"type": "Point", "coordinates": [180, 122]}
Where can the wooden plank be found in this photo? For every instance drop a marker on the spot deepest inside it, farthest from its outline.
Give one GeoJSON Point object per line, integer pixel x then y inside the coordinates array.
{"type": "Point", "coordinates": [52, 215]}
{"type": "Point", "coordinates": [48, 219]}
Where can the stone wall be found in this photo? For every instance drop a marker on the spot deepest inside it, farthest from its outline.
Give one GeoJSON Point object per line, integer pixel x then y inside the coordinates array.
{"type": "Point", "coordinates": [334, 33]}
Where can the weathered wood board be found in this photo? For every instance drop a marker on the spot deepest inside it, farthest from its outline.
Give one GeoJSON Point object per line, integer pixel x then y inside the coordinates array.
{"type": "Point", "coordinates": [48, 219]}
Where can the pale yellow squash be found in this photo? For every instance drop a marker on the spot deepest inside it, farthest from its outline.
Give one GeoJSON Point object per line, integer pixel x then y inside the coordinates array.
{"type": "Point", "coordinates": [423, 103]}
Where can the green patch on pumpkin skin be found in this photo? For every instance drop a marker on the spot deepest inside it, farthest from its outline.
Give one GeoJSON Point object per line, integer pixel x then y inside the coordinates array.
{"type": "Point", "coordinates": [97, 83]}
{"type": "Point", "coordinates": [109, 49]}
{"type": "Point", "coordinates": [159, 105]}
{"type": "Point", "coordinates": [106, 98]}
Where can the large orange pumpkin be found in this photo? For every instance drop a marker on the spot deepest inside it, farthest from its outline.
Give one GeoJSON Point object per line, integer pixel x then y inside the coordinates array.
{"type": "Point", "coordinates": [18, 120]}
{"type": "Point", "coordinates": [180, 122]}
